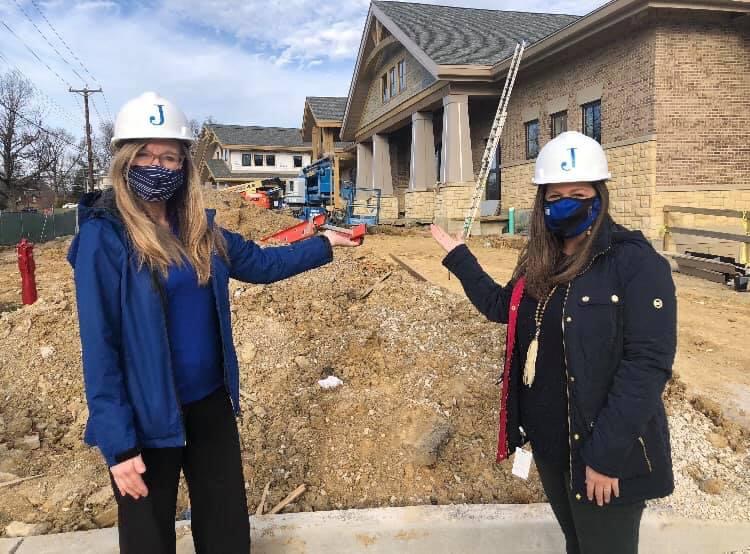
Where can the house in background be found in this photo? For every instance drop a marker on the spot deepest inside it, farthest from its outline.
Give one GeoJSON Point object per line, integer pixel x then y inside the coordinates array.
{"type": "Point", "coordinates": [664, 87]}
{"type": "Point", "coordinates": [234, 154]}
{"type": "Point", "coordinates": [321, 126]}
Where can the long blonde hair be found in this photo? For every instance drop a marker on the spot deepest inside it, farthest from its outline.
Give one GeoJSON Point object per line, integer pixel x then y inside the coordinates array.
{"type": "Point", "coordinates": [155, 246]}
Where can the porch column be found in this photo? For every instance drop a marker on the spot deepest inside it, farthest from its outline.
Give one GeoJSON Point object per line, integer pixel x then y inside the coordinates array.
{"type": "Point", "coordinates": [456, 156]}
{"type": "Point", "coordinates": [423, 173]}
{"type": "Point", "coordinates": [364, 165]}
{"type": "Point", "coordinates": [381, 165]}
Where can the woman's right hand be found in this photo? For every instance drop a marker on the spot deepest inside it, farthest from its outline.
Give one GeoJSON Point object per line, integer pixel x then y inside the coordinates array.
{"type": "Point", "coordinates": [128, 478]}
{"type": "Point", "coordinates": [444, 239]}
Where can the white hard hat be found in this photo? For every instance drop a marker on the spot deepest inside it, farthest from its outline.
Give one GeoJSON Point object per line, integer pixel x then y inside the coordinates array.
{"type": "Point", "coordinates": [571, 157]}
{"type": "Point", "coordinates": [150, 116]}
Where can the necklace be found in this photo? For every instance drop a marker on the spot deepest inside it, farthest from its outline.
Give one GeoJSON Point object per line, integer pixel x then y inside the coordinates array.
{"type": "Point", "coordinates": [529, 369]}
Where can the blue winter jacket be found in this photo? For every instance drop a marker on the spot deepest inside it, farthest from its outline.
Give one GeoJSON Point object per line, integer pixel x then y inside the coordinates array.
{"type": "Point", "coordinates": [127, 370]}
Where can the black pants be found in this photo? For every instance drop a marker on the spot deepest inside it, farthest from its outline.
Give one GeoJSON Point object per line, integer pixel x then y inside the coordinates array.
{"type": "Point", "coordinates": [588, 528]}
{"type": "Point", "coordinates": [213, 470]}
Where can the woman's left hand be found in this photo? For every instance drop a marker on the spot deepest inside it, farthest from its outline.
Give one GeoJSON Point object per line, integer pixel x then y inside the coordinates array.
{"type": "Point", "coordinates": [601, 486]}
{"type": "Point", "coordinates": [338, 239]}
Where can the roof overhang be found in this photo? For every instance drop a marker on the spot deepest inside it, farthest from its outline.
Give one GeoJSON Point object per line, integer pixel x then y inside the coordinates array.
{"type": "Point", "coordinates": [592, 23]}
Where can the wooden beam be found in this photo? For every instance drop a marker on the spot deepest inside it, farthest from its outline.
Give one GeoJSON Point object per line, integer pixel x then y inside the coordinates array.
{"type": "Point", "coordinates": [704, 211]}
{"type": "Point", "coordinates": [408, 269]}
{"type": "Point", "coordinates": [702, 273]}
{"type": "Point", "coordinates": [710, 234]}
{"type": "Point", "coordinates": [704, 264]}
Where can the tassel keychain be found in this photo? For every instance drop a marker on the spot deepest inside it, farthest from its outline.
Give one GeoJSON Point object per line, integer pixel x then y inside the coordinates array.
{"type": "Point", "coordinates": [529, 368]}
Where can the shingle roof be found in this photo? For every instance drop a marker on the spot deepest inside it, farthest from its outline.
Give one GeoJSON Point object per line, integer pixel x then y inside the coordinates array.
{"type": "Point", "coordinates": [327, 107]}
{"type": "Point", "coordinates": [450, 35]}
{"type": "Point", "coordinates": [258, 136]}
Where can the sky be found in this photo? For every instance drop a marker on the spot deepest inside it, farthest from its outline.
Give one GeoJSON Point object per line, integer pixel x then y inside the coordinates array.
{"type": "Point", "coordinates": [240, 61]}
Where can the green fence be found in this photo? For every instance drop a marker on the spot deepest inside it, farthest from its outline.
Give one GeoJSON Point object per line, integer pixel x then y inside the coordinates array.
{"type": "Point", "coordinates": [36, 227]}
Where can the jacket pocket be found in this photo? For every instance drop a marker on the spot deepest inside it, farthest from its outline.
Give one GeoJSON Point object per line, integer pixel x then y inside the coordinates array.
{"type": "Point", "coordinates": [638, 463]}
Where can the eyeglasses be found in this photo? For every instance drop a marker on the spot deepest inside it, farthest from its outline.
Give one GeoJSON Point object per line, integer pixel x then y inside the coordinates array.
{"type": "Point", "coordinates": [167, 160]}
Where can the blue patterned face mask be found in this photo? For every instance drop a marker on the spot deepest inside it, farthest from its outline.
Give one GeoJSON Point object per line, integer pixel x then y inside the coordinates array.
{"type": "Point", "coordinates": [569, 217]}
{"type": "Point", "coordinates": [154, 183]}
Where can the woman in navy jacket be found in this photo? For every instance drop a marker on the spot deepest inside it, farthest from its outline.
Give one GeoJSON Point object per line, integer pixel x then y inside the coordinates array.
{"type": "Point", "coordinates": [161, 375]}
{"type": "Point", "coordinates": [591, 314]}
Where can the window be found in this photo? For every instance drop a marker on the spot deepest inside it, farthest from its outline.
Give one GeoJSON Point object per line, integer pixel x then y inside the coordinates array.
{"type": "Point", "coordinates": [559, 123]}
{"type": "Point", "coordinates": [392, 79]}
{"type": "Point", "coordinates": [384, 87]}
{"type": "Point", "coordinates": [492, 191]}
{"type": "Point", "coordinates": [532, 139]}
{"type": "Point", "coordinates": [270, 160]}
{"type": "Point", "coordinates": [297, 161]}
{"type": "Point", "coordinates": [258, 159]}
{"type": "Point", "coordinates": [247, 159]}
{"type": "Point", "coordinates": [226, 155]}
{"type": "Point", "coordinates": [401, 75]}
{"type": "Point", "coordinates": [592, 120]}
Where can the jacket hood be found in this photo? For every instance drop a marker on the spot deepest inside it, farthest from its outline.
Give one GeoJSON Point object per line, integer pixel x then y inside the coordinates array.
{"type": "Point", "coordinates": [611, 233]}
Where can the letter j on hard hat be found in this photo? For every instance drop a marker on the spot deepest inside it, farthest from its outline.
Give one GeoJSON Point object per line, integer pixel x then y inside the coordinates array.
{"type": "Point", "coordinates": [151, 116]}
{"type": "Point", "coordinates": [571, 157]}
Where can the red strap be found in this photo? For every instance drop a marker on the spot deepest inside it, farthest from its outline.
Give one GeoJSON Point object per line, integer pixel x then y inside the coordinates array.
{"type": "Point", "coordinates": [515, 302]}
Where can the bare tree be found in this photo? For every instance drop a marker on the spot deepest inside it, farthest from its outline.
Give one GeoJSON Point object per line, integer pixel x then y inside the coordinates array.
{"type": "Point", "coordinates": [20, 130]}
{"type": "Point", "coordinates": [60, 158]}
{"type": "Point", "coordinates": [103, 145]}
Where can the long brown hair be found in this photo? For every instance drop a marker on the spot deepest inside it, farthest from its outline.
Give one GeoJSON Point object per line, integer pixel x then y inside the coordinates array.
{"type": "Point", "coordinates": [542, 261]}
{"type": "Point", "coordinates": [154, 245]}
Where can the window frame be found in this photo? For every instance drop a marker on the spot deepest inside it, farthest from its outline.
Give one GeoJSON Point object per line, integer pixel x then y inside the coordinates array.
{"type": "Point", "coordinates": [557, 116]}
{"type": "Point", "coordinates": [257, 157]}
{"type": "Point", "coordinates": [401, 71]}
{"type": "Point", "coordinates": [527, 126]}
{"type": "Point", "coordinates": [384, 88]}
{"type": "Point", "coordinates": [249, 157]}
{"type": "Point", "coordinates": [272, 163]}
{"type": "Point", "coordinates": [392, 84]}
{"type": "Point", "coordinates": [299, 157]}
{"type": "Point", "coordinates": [596, 104]}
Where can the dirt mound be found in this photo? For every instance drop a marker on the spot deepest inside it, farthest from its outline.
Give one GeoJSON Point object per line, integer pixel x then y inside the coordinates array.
{"type": "Point", "coordinates": [414, 422]}
{"type": "Point", "coordinates": [235, 214]}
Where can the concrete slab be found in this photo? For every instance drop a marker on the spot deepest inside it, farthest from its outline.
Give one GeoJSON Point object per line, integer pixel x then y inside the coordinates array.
{"type": "Point", "coordinates": [8, 546]}
{"type": "Point", "coordinates": [479, 529]}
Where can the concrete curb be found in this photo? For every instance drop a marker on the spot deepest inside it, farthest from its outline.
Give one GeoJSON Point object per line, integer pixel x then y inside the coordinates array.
{"type": "Point", "coordinates": [512, 529]}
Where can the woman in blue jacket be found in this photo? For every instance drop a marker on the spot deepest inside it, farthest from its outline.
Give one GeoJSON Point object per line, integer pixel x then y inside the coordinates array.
{"type": "Point", "coordinates": [161, 375]}
{"type": "Point", "coordinates": [591, 314]}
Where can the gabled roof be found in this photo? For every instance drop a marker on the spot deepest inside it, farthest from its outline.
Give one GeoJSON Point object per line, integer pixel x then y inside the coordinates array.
{"type": "Point", "coordinates": [253, 135]}
{"type": "Point", "coordinates": [468, 36]}
{"type": "Point", "coordinates": [328, 108]}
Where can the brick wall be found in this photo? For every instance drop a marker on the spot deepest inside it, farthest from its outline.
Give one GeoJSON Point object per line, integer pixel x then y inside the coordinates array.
{"type": "Point", "coordinates": [703, 100]}
{"type": "Point", "coordinates": [388, 207]}
{"type": "Point", "coordinates": [420, 204]}
{"type": "Point", "coordinates": [417, 79]}
{"type": "Point", "coordinates": [620, 61]}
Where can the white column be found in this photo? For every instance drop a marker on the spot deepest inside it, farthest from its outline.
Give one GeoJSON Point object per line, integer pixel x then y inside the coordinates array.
{"type": "Point", "coordinates": [423, 173]}
{"type": "Point", "coordinates": [456, 156]}
{"type": "Point", "coordinates": [381, 165]}
{"type": "Point", "coordinates": [364, 165]}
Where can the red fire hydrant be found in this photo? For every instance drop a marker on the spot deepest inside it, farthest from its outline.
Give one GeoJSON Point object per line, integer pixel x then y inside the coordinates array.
{"type": "Point", "coordinates": [25, 251]}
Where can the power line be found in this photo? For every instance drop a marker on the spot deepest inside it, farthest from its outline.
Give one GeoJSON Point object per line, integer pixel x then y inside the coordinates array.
{"type": "Point", "coordinates": [86, 92]}
{"type": "Point", "coordinates": [38, 126]}
{"type": "Point", "coordinates": [38, 30]}
{"type": "Point", "coordinates": [49, 100]}
{"type": "Point", "coordinates": [76, 58]}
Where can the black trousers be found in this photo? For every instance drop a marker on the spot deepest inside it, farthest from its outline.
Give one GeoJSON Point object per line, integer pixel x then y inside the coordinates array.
{"type": "Point", "coordinates": [212, 465]}
{"type": "Point", "coordinates": [588, 528]}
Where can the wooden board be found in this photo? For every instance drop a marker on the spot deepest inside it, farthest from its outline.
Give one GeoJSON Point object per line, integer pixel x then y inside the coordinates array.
{"type": "Point", "coordinates": [703, 211]}
{"type": "Point", "coordinates": [683, 260]}
{"type": "Point", "coordinates": [702, 273]}
{"type": "Point", "coordinates": [710, 234]}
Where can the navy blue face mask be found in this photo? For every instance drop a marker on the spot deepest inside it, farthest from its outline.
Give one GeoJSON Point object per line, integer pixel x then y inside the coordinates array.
{"type": "Point", "coordinates": [154, 183]}
{"type": "Point", "coordinates": [569, 217]}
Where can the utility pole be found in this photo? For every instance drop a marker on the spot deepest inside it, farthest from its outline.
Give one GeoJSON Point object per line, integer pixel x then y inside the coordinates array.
{"type": "Point", "coordinates": [85, 92]}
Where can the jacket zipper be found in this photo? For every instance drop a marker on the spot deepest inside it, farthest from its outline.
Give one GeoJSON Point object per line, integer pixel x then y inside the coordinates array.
{"type": "Point", "coordinates": [645, 454]}
{"type": "Point", "coordinates": [221, 333]}
{"type": "Point", "coordinates": [565, 359]}
{"type": "Point", "coordinates": [162, 296]}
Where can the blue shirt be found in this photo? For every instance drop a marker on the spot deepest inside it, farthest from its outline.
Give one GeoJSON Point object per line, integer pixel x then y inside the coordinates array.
{"type": "Point", "coordinates": [194, 335]}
